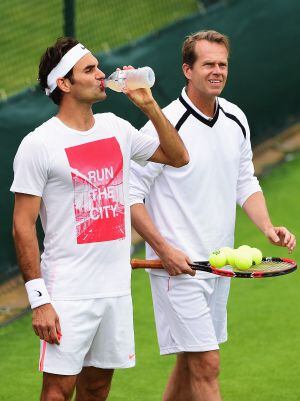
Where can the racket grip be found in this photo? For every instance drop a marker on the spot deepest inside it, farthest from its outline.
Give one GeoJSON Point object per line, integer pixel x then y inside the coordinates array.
{"type": "Point", "coordinates": [146, 264]}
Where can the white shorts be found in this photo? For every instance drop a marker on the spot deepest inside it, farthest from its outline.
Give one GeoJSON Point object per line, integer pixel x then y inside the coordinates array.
{"type": "Point", "coordinates": [95, 332]}
{"type": "Point", "coordinates": [190, 313]}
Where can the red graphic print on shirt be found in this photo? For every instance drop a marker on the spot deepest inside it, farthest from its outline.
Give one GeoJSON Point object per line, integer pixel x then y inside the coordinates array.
{"type": "Point", "coordinates": [97, 175]}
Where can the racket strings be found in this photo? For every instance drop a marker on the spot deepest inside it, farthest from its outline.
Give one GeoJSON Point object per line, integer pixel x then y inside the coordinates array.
{"type": "Point", "coordinates": [270, 266]}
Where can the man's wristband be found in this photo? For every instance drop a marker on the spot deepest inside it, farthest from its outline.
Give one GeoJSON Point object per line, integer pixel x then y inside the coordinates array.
{"type": "Point", "coordinates": [37, 293]}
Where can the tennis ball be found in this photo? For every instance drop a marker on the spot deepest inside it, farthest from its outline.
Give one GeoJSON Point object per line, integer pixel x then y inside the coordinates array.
{"type": "Point", "coordinates": [256, 256]}
{"type": "Point", "coordinates": [243, 259]}
{"type": "Point", "coordinates": [246, 248]}
{"type": "Point", "coordinates": [227, 252]}
{"type": "Point", "coordinates": [231, 257]}
{"type": "Point", "coordinates": [217, 258]}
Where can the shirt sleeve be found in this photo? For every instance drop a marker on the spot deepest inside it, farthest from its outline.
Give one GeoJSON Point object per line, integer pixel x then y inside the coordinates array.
{"type": "Point", "coordinates": [30, 167]}
{"type": "Point", "coordinates": [247, 182]}
{"type": "Point", "coordinates": [144, 144]}
{"type": "Point", "coordinates": [142, 178]}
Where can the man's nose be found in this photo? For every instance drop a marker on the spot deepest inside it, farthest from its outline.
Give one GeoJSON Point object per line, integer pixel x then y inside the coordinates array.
{"type": "Point", "coordinates": [100, 74]}
{"type": "Point", "coordinates": [216, 69]}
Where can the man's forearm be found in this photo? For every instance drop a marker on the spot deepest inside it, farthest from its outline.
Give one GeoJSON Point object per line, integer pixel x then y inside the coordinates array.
{"type": "Point", "coordinates": [171, 150]}
{"type": "Point", "coordinates": [256, 209]}
{"type": "Point", "coordinates": [27, 250]}
{"type": "Point", "coordinates": [143, 224]}
{"type": "Point", "coordinates": [170, 141]}
{"type": "Point", "coordinates": [174, 260]}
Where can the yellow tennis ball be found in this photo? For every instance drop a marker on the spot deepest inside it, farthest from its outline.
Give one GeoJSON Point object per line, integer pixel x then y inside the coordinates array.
{"type": "Point", "coordinates": [243, 259]}
{"type": "Point", "coordinates": [231, 257]}
{"type": "Point", "coordinates": [227, 250]}
{"type": "Point", "coordinates": [217, 258]}
{"type": "Point", "coordinates": [256, 256]}
{"type": "Point", "coordinates": [246, 248]}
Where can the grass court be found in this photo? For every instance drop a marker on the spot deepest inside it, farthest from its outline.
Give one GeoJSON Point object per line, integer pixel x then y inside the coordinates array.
{"type": "Point", "coordinates": [260, 360]}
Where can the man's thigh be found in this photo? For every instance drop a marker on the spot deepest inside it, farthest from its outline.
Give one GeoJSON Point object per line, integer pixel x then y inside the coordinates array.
{"type": "Point", "coordinates": [79, 322]}
{"type": "Point", "coordinates": [95, 332]}
{"type": "Point", "coordinates": [201, 363]}
{"type": "Point", "coordinates": [93, 381]}
{"type": "Point", "coordinates": [183, 314]}
{"type": "Point", "coordinates": [113, 343]}
{"type": "Point", "coordinates": [57, 386]}
{"type": "Point", "coordinates": [218, 307]}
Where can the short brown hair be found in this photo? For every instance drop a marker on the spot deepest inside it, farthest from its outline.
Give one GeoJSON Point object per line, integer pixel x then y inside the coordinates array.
{"type": "Point", "coordinates": [188, 49]}
{"type": "Point", "coordinates": [50, 59]}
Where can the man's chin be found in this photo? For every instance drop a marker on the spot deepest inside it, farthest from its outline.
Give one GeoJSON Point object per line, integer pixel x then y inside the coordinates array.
{"type": "Point", "coordinates": [100, 98]}
{"type": "Point", "coordinates": [215, 92]}
{"type": "Point", "coordinates": [218, 91]}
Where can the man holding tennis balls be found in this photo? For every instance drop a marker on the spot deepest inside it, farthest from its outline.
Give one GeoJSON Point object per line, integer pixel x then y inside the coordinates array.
{"type": "Point", "coordinates": [190, 212]}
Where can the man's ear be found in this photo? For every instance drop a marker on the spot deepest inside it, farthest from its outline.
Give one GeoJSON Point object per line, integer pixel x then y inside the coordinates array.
{"type": "Point", "coordinates": [64, 84]}
{"type": "Point", "coordinates": [187, 70]}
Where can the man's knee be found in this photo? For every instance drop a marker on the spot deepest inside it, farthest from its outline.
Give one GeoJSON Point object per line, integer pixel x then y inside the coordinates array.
{"type": "Point", "coordinates": [204, 365]}
{"type": "Point", "coordinates": [55, 394]}
{"type": "Point", "coordinates": [93, 384]}
{"type": "Point", "coordinates": [97, 391]}
{"type": "Point", "coordinates": [57, 387]}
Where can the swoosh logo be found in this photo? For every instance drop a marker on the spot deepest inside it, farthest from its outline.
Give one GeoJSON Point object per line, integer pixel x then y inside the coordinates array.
{"type": "Point", "coordinates": [39, 293]}
{"type": "Point", "coordinates": [82, 47]}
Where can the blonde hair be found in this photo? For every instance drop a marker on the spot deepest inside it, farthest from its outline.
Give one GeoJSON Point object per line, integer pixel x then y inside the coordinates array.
{"type": "Point", "coordinates": [188, 49]}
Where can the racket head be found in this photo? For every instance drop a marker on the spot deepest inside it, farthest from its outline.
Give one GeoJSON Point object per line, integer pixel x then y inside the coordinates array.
{"type": "Point", "coordinates": [269, 267]}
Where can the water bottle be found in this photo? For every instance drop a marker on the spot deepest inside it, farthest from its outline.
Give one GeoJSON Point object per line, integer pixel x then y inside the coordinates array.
{"type": "Point", "coordinates": [143, 77]}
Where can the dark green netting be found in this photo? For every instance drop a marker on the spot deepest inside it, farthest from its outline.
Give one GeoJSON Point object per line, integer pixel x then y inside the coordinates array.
{"type": "Point", "coordinates": [263, 81]}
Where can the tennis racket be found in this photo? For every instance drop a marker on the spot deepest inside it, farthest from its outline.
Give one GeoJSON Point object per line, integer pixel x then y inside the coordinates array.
{"type": "Point", "coordinates": [269, 267]}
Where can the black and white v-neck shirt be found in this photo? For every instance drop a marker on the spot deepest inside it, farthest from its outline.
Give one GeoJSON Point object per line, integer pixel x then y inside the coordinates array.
{"type": "Point", "coordinates": [194, 207]}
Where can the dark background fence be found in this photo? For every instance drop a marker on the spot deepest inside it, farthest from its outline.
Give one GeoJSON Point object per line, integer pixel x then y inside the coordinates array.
{"type": "Point", "coordinates": [28, 27]}
{"type": "Point", "coordinates": [263, 77]}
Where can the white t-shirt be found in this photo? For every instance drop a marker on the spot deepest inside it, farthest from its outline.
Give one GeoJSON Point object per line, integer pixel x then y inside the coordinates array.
{"type": "Point", "coordinates": [194, 207]}
{"type": "Point", "coordinates": [82, 178]}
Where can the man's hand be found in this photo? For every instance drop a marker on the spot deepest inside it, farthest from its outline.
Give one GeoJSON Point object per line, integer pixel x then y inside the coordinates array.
{"type": "Point", "coordinates": [175, 262]}
{"type": "Point", "coordinates": [45, 323]}
{"type": "Point", "coordinates": [281, 236]}
{"type": "Point", "coordinates": [142, 98]}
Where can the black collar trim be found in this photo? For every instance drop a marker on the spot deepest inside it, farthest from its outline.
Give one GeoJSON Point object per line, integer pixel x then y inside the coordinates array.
{"type": "Point", "coordinates": [234, 118]}
{"type": "Point", "coordinates": [182, 120]}
{"type": "Point", "coordinates": [210, 123]}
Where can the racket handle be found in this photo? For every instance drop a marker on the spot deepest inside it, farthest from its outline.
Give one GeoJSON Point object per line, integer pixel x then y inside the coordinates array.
{"type": "Point", "coordinates": [146, 264]}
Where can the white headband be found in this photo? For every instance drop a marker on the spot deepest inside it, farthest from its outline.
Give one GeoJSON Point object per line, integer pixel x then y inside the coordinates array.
{"type": "Point", "coordinates": [65, 65]}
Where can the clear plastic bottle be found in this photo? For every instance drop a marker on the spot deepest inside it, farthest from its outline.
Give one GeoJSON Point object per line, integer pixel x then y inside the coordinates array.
{"type": "Point", "coordinates": [143, 77]}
